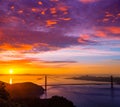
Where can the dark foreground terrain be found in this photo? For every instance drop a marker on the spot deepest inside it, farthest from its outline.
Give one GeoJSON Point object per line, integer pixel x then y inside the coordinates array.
{"type": "Point", "coordinates": [27, 95]}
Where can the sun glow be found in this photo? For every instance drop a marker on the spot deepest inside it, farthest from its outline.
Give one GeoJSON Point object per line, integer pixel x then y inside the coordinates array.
{"type": "Point", "coordinates": [11, 71]}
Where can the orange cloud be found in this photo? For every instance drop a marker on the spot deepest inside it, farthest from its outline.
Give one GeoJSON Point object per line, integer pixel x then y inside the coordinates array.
{"type": "Point", "coordinates": [6, 47]}
{"type": "Point", "coordinates": [27, 47]}
{"type": "Point", "coordinates": [51, 22]}
{"type": "Point", "coordinates": [114, 30]}
{"type": "Point", "coordinates": [66, 19]}
{"type": "Point", "coordinates": [22, 61]}
{"type": "Point", "coordinates": [20, 47]}
{"type": "Point", "coordinates": [40, 3]}
{"type": "Point", "coordinates": [53, 10]}
{"type": "Point", "coordinates": [100, 34]}
{"type": "Point", "coordinates": [83, 37]}
{"type": "Point", "coordinates": [63, 8]}
{"type": "Point", "coordinates": [43, 12]}
{"type": "Point", "coordinates": [35, 10]}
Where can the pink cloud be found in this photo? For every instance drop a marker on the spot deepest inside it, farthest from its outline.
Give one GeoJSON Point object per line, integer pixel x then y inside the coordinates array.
{"type": "Point", "coordinates": [83, 38]}
{"type": "Point", "coordinates": [113, 29]}
{"type": "Point", "coordinates": [110, 33]}
{"type": "Point", "coordinates": [100, 34]}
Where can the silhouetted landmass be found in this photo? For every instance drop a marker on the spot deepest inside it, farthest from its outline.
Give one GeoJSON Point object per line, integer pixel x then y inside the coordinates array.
{"type": "Point", "coordinates": [25, 90]}
{"type": "Point", "coordinates": [28, 95]}
{"type": "Point", "coordinates": [55, 101]}
{"type": "Point", "coordinates": [100, 79]}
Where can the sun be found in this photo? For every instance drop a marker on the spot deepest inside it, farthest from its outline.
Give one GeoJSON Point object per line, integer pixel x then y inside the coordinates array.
{"type": "Point", "coordinates": [11, 71]}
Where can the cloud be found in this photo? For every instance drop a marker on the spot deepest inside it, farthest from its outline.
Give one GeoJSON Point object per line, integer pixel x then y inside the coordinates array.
{"type": "Point", "coordinates": [83, 38]}
{"type": "Point", "coordinates": [51, 22]}
{"type": "Point", "coordinates": [11, 55]}
{"type": "Point", "coordinates": [75, 53]}
{"type": "Point", "coordinates": [88, 1]}
{"type": "Point", "coordinates": [60, 61]}
{"type": "Point", "coordinates": [47, 28]}
{"type": "Point", "coordinates": [100, 34]}
{"type": "Point", "coordinates": [109, 33]}
{"type": "Point", "coordinates": [35, 41]}
{"type": "Point", "coordinates": [19, 47]}
{"type": "Point", "coordinates": [15, 58]}
{"type": "Point", "coordinates": [113, 29]}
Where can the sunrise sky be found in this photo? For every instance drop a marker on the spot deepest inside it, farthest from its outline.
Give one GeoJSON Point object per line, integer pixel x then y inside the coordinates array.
{"type": "Point", "coordinates": [60, 36]}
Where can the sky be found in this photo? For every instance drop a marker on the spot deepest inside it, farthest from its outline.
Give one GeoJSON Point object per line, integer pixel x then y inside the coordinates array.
{"type": "Point", "coordinates": [60, 36]}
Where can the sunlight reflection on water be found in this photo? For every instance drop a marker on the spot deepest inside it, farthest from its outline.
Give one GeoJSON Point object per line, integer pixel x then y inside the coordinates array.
{"type": "Point", "coordinates": [11, 81]}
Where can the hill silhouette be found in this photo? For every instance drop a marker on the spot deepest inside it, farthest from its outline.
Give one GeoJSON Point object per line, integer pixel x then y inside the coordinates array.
{"type": "Point", "coordinates": [24, 90]}
{"type": "Point", "coordinates": [28, 95]}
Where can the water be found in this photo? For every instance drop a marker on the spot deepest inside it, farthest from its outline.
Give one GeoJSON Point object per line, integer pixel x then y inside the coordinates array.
{"type": "Point", "coordinates": [88, 95]}
{"type": "Point", "coordinates": [78, 91]}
